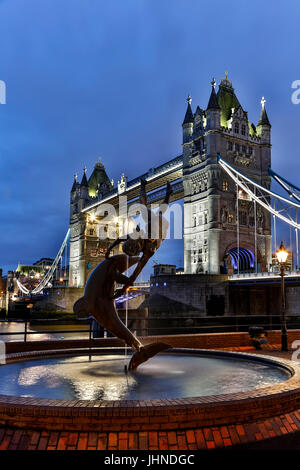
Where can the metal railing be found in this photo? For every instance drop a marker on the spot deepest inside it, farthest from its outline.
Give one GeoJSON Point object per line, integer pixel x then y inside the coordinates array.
{"type": "Point", "coordinates": [159, 326]}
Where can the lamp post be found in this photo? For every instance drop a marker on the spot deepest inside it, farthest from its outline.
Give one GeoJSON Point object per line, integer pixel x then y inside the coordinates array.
{"type": "Point", "coordinates": [282, 255]}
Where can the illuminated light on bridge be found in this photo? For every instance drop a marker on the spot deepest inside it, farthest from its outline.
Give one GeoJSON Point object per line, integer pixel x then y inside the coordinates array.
{"type": "Point", "coordinates": [242, 258]}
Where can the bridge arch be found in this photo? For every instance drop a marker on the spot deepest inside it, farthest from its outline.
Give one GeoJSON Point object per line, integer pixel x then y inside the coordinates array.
{"type": "Point", "coordinates": [242, 258]}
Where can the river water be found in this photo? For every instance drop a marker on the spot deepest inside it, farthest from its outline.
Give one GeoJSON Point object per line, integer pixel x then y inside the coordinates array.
{"type": "Point", "coordinates": [9, 328]}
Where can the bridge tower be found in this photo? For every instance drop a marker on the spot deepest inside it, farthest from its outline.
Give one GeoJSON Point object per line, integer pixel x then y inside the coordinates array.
{"type": "Point", "coordinates": [86, 250]}
{"type": "Point", "coordinates": [212, 233]}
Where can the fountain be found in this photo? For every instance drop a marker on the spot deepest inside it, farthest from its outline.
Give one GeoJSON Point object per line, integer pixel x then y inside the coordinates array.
{"type": "Point", "coordinates": [78, 388]}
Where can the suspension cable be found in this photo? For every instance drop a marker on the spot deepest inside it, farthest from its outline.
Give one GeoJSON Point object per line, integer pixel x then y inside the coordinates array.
{"type": "Point", "coordinates": [44, 282]}
{"type": "Point", "coordinates": [230, 171]}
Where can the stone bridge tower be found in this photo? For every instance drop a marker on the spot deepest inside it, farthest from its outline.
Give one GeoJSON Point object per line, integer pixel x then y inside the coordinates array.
{"type": "Point", "coordinates": [210, 198]}
{"type": "Point", "coordinates": [86, 250]}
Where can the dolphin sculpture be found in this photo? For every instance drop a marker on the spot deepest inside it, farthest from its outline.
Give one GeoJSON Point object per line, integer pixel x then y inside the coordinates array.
{"type": "Point", "coordinates": [98, 301]}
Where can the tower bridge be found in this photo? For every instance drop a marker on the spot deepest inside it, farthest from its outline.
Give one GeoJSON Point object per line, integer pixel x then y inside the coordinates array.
{"type": "Point", "coordinates": [209, 195]}
{"type": "Point", "coordinates": [223, 176]}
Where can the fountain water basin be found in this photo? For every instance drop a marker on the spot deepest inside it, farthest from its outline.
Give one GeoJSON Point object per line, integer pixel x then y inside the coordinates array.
{"type": "Point", "coordinates": [166, 375]}
{"type": "Point", "coordinates": [178, 389]}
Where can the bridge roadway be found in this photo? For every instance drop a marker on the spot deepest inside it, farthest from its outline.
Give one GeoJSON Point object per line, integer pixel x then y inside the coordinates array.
{"type": "Point", "coordinates": [266, 277]}
{"type": "Point", "coordinates": [156, 178]}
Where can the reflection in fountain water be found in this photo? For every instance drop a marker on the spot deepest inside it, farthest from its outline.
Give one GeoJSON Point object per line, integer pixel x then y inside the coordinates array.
{"type": "Point", "coordinates": [164, 376]}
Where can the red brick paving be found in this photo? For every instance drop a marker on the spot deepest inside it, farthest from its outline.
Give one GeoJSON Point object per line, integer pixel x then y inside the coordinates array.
{"type": "Point", "coordinates": [207, 438]}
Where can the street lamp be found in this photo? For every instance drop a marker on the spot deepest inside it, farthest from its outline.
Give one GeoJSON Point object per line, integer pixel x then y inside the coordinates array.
{"type": "Point", "coordinates": [282, 255]}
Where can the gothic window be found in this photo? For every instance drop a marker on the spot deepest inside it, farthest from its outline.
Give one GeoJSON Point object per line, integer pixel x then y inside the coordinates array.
{"type": "Point", "coordinates": [225, 185]}
{"type": "Point", "coordinates": [194, 220]}
{"type": "Point", "coordinates": [229, 145]}
{"type": "Point", "coordinates": [243, 129]}
{"type": "Point", "coordinates": [243, 218]}
{"type": "Point", "coordinates": [236, 128]}
{"type": "Point", "coordinates": [237, 147]}
{"type": "Point", "coordinates": [244, 149]}
{"type": "Point", "coordinates": [205, 186]}
{"type": "Point", "coordinates": [205, 217]}
{"type": "Point", "coordinates": [205, 241]}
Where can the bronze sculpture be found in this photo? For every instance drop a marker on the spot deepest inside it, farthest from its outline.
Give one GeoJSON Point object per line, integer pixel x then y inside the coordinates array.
{"type": "Point", "coordinates": [99, 293]}
{"type": "Point", "coordinates": [146, 243]}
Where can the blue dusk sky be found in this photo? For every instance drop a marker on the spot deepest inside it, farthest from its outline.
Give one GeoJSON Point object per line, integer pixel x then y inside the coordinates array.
{"type": "Point", "coordinates": [90, 78]}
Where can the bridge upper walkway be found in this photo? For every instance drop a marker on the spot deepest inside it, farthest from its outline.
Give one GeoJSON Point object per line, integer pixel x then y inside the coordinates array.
{"type": "Point", "coordinates": [156, 178]}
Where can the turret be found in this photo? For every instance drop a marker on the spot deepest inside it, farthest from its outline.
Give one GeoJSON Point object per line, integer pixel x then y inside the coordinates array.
{"type": "Point", "coordinates": [84, 191]}
{"type": "Point", "coordinates": [187, 132]}
{"type": "Point", "coordinates": [263, 126]}
{"type": "Point", "coordinates": [99, 183]}
{"type": "Point", "coordinates": [188, 123]}
{"type": "Point", "coordinates": [74, 196]}
{"type": "Point", "coordinates": [213, 109]}
{"type": "Point", "coordinates": [75, 186]}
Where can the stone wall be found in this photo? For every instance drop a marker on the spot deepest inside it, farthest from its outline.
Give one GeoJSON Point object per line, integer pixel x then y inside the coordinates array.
{"type": "Point", "coordinates": [211, 295]}
{"type": "Point", "coordinates": [207, 293]}
{"type": "Point", "coordinates": [63, 297]}
{"type": "Point", "coordinates": [215, 295]}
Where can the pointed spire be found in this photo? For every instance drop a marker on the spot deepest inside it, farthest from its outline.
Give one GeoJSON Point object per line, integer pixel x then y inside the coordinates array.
{"type": "Point", "coordinates": [189, 116]}
{"type": "Point", "coordinates": [84, 181]}
{"type": "Point", "coordinates": [74, 183]}
{"type": "Point", "coordinates": [99, 164]}
{"type": "Point", "coordinates": [225, 81]}
{"type": "Point", "coordinates": [213, 100]}
{"type": "Point", "coordinates": [263, 118]}
{"type": "Point", "coordinates": [198, 111]}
